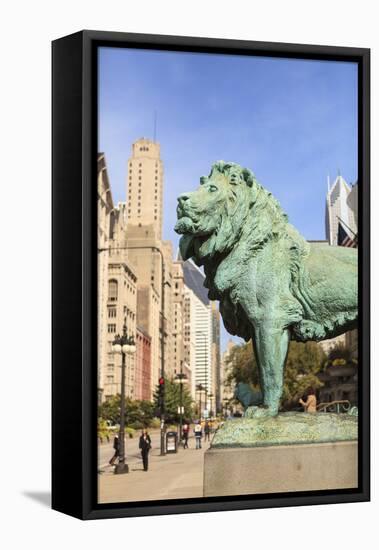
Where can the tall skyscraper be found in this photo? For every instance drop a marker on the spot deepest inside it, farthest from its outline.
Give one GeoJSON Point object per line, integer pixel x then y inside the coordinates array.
{"type": "Point", "coordinates": [341, 200]}
{"type": "Point", "coordinates": [202, 331]}
{"type": "Point", "coordinates": [145, 185]}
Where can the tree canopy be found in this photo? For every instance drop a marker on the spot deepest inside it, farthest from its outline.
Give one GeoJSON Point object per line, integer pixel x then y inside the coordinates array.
{"type": "Point", "coordinates": [304, 362]}
{"type": "Point", "coordinates": [138, 413]}
{"type": "Point", "coordinates": [172, 401]}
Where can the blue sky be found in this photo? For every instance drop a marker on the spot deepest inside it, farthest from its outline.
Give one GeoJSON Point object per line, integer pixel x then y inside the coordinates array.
{"type": "Point", "coordinates": [292, 122]}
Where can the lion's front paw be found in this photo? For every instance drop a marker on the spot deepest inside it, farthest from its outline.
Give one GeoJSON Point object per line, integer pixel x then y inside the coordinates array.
{"type": "Point", "coordinates": [260, 412]}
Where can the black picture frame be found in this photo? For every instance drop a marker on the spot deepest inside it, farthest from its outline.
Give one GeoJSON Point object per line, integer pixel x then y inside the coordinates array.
{"type": "Point", "coordinates": [74, 271]}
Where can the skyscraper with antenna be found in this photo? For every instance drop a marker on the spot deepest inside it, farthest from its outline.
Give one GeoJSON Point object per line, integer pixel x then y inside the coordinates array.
{"type": "Point", "coordinates": [144, 187]}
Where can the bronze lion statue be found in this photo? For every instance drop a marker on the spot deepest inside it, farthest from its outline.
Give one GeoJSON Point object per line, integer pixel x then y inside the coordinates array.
{"type": "Point", "coordinates": [272, 285]}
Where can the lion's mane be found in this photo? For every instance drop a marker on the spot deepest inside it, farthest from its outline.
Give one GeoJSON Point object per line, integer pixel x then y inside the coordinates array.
{"type": "Point", "coordinates": [250, 219]}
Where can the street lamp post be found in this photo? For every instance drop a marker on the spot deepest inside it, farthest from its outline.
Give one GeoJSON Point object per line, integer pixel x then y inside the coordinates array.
{"type": "Point", "coordinates": [124, 345]}
{"type": "Point", "coordinates": [200, 389]}
{"type": "Point", "coordinates": [181, 379]}
{"type": "Point", "coordinates": [210, 396]}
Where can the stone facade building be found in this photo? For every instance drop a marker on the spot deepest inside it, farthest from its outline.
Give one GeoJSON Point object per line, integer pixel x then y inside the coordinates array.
{"type": "Point", "coordinates": [161, 300]}
{"type": "Point", "coordinates": [340, 383]}
{"type": "Point", "coordinates": [143, 389]}
{"type": "Point", "coordinates": [104, 215]}
{"type": "Point", "coordinates": [121, 308]}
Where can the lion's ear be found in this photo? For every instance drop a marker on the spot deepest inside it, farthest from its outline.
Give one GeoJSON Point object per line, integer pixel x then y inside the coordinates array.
{"type": "Point", "coordinates": [251, 182]}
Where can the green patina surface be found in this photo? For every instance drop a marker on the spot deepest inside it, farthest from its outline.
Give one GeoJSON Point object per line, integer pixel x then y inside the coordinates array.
{"type": "Point", "coordinates": [286, 429]}
{"type": "Point", "coordinates": [272, 285]}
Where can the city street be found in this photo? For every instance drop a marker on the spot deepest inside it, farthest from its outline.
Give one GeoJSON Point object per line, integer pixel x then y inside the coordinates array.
{"type": "Point", "coordinates": [175, 475]}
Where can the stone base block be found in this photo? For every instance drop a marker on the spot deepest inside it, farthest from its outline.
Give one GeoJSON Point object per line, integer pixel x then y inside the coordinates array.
{"type": "Point", "coordinates": [280, 468]}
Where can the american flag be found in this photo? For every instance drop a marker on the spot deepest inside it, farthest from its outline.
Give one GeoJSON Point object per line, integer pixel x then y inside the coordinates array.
{"type": "Point", "coordinates": [344, 239]}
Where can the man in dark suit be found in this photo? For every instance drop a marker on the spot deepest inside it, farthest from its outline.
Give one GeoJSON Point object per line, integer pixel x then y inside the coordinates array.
{"type": "Point", "coordinates": [145, 446]}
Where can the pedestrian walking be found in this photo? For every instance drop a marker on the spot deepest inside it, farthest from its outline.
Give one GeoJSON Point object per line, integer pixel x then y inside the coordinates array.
{"type": "Point", "coordinates": [185, 435]}
{"type": "Point", "coordinates": [145, 446]}
{"type": "Point", "coordinates": [198, 435]}
{"type": "Point", "coordinates": [116, 447]}
{"type": "Point", "coordinates": [207, 431]}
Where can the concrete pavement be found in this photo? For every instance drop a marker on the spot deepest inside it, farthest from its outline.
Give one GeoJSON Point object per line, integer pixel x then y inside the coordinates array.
{"type": "Point", "coordinates": [175, 475]}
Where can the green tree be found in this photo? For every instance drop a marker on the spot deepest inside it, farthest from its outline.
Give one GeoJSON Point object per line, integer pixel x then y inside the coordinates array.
{"type": "Point", "coordinates": [172, 401]}
{"type": "Point", "coordinates": [110, 409]}
{"type": "Point", "coordinates": [138, 413]}
{"type": "Point", "coordinates": [241, 366]}
{"type": "Point", "coordinates": [304, 362]}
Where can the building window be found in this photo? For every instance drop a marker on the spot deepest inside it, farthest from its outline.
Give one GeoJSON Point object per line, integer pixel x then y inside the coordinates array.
{"type": "Point", "coordinates": [112, 290]}
{"type": "Point", "coordinates": [110, 379]}
{"type": "Point", "coordinates": [111, 328]}
{"type": "Point", "coordinates": [112, 312]}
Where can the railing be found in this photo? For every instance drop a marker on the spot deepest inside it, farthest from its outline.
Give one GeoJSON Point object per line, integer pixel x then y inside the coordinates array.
{"type": "Point", "coordinates": [335, 406]}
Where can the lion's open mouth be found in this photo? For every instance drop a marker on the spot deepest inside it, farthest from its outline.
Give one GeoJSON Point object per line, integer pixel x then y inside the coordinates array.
{"type": "Point", "coordinates": [186, 246]}
{"type": "Point", "coordinates": [189, 245]}
{"type": "Point", "coordinates": [192, 237]}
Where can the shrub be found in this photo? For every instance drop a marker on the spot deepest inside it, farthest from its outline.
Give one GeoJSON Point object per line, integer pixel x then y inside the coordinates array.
{"type": "Point", "coordinates": [137, 425]}
{"type": "Point", "coordinates": [155, 423]}
{"type": "Point", "coordinates": [130, 431]}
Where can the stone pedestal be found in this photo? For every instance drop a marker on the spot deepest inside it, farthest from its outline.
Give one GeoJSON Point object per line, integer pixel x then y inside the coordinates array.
{"type": "Point", "coordinates": [280, 468]}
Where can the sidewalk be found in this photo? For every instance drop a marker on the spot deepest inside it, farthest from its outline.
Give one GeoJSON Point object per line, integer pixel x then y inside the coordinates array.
{"type": "Point", "coordinates": [175, 475]}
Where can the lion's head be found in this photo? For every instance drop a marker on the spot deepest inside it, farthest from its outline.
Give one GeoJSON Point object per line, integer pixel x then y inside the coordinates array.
{"type": "Point", "coordinates": [228, 205]}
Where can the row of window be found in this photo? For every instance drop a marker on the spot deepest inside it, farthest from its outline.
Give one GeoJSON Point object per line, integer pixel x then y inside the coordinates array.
{"type": "Point", "coordinates": [113, 291]}
{"type": "Point", "coordinates": [111, 379]}
{"type": "Point", "coordinates": [140, 171]}
{"type": "Point", "coordinates": [140, 164]}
